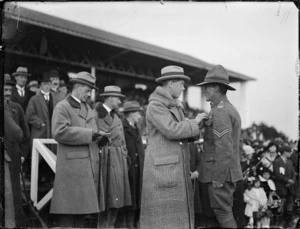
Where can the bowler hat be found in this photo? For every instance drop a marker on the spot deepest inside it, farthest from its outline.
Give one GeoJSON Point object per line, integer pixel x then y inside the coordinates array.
{"type": "Point", "coordinates": [45, 77]}
{"type": "Point", "coordinates": [85, 78]}
{"type": "Point", "coordinates": [131, 106]}
{"type": "Point", "coordinates": [113, 91]}
{"type": "Point", "coordinates": [53, 74]}
{"type": "Point", "coordinates": [172, 72]}
{"type": "Point", "coordinates": [21, 71]}
{"type": "Point", "coordinates": [217, 74]}
{"type": "Point", "coordinates": [7, 80]}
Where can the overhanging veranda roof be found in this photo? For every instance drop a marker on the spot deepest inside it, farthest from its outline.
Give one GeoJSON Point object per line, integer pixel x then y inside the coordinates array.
{"type": "Point", "coordinates": [61, 25]}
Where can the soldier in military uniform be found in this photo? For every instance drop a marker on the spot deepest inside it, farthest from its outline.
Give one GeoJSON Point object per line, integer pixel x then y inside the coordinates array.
{"type": "Point", "coordinates": [220, 163]}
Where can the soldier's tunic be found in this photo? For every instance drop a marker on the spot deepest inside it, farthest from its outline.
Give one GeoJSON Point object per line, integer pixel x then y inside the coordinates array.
{"type": "Point", "coordinates": [221, 158]}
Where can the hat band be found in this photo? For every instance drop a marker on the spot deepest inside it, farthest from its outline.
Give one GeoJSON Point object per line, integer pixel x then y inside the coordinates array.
{"type": "Point", "coordinates": [84, 81]}
{"type": "Point", "coordinates": [172, 73]}
{"type": "Point", "coordinates": [216, 80]}
{"type": "Point", "coordinates": [16, 73]}
{"type": "Point", "coordinates": [112, 92]}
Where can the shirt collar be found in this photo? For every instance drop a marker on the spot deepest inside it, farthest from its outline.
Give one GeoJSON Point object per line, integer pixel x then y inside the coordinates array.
{"type": "Point", "coordinates": [76, 99]}
{"type": "Point", "coordinates": [45, 93]}
{"type": "Point", "coordinates": [20, 88]}
{"type": "Point", "coordinates": [107, 108]}
{"type": "Point", "coordinates": [213, 104]}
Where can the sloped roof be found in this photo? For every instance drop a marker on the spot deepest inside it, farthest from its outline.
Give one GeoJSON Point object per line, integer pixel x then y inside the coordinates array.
{"type": "Point", "coordinates": [95, 34]}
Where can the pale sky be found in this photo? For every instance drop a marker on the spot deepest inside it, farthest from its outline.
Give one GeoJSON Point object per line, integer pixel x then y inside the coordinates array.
{"type": "Point", "coordinates": [257, 39]}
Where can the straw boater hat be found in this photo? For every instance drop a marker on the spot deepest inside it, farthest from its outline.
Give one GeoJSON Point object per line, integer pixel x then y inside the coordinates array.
{"type": "Point", "coordinates": [131, 106]}
{"type": "Point", "coordinates": [7, 80]}
{"type": "Point", "coordinates": [217, 74]}
{"type": "Point", "coordinates": [113, 91]}
{"type": "Point", "coordinates": [33, 83]}
{"type": "Point", "coordinates": [85, 78]}
{"type": "Point", "coordinates": [21, 71]}
{"type": "Point", "coordinates": [172, 72]}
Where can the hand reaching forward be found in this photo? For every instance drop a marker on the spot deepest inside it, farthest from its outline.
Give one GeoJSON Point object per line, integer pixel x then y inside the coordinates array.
{"type": "Point", "coordinates": [201, 117]}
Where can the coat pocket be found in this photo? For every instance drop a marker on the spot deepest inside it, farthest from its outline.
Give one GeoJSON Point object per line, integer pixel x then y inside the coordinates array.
{"type": "Point", "coordinates": [77, 154]}
{"type": "Point", "coordinates": [166, 172]}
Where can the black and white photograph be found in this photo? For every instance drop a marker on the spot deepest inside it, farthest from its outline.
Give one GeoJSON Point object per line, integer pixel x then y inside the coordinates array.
{"type": "Point", "coordinates": [150, 114]}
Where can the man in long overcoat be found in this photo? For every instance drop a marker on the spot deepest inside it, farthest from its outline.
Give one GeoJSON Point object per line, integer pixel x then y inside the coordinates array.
{"type": "Point", "coordinates": [220, 164]}
{"type": "Point", "coordinates": [136, 155]}
{"type": "Point", "coordinates": [13, 135]}
{"type": "Point", "coordinates": [39, 110]}
{"type": "Point", "coordinates": [114, 157]}
{"type": "Point", "coordinates": [17, 151]}
{"type": "Point", "coordinates": [167, 195]}
{"type": "Point", "coordinates": [76, 184]}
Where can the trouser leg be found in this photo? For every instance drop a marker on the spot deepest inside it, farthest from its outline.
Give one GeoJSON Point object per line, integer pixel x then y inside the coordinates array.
{"type": "Point", "coordinates": [111, 217]}
{"type": "Point", "coordinates": [130, 218]}
{"type": "Point", "coordinates": [221, 200]}
{"type": "Point", "coordinates": [69, 220]}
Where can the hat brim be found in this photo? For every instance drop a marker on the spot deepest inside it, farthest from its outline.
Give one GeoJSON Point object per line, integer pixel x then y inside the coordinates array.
{"type": "Point", "coordinates": [112, 95]}
{"type": "Point", "coordinates": [132, 110]}
{"type": "Point", "coordinates": [206, 83]}
{"type": "Point", "coordinates": [21, 74]}
{"type": "Point", "coordinates": [164, 78]}
{"type": "Point", "coordinates": [82, 82]}
{"type": "Point", "coordinates": [10, 83]}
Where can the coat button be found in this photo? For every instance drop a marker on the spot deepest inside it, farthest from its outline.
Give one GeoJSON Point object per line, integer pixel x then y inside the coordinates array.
{"type": "Point", "coordinates": [136, 154]}
{"type": "Point", "coordinates": [136, 165]}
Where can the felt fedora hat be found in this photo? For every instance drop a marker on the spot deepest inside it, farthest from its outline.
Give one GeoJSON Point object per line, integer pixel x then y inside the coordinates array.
{"type": "Point", "coordinates": [113, 91]}
{"type": "Point", "coordinates": [172, 72]}
{"type": "Point", "coordinates": [217, 74]}
{"type": "Point", "coordinates": [7, 80]}
{"type": "Point", "coordinates": [131, 106]}
{"type": "Point", "coordinates": [85, 78]}
{"type": "Point", "coordinates": [21, 71]}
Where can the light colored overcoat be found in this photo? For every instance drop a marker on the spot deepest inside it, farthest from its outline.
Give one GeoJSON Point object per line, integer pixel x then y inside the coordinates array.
{"type": "Point", "coordinates": [76, 180]}
{"type": "Point", "coordinates": [167, 196]}
{"type": "Point", "coordinates": [115, 169]}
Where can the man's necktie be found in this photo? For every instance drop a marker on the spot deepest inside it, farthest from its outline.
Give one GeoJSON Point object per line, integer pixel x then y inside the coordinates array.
{"type": "Point", "coordinates": [22, 92]}
{"type": "Point", "coordinates": [112, 112]}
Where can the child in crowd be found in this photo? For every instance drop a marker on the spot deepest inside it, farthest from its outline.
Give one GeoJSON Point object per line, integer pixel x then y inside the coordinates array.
{"type": "Point", "coordinates": [256, 204]}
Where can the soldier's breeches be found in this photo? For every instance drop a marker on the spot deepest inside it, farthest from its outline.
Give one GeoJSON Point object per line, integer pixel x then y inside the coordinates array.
{"type": "Point", "coordinates": [221, 200]}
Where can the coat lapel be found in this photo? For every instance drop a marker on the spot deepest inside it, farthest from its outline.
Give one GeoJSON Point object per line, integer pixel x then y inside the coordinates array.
{"type": "Point", "coordinates": [43, 107]}
{"type": "Point", "coordinates": [175, 112]}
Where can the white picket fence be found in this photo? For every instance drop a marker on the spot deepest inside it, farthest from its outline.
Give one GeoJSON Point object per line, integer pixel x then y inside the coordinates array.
{"type": "Point", "coordinates": [39, 149]}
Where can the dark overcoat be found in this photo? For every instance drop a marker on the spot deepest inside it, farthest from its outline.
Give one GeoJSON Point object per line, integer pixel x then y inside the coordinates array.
{"type": "Point", "coordinates": [39, 112]}
{"type": "Point", "coordinates": [16, 149]}
{"type": "Point", "coordinates": [115, 169]}
{"type": "Point", "coordinates": [77, 165]}
{"type": "Point", "coordinates": [283, 171]}
{"type": "Point", "coordinates": [23, 101]}
{"type": "Point", "coordinates": [136, 155]}
{"type": "Point", "coordinates": [167, 195]}
{"type": "Point", "coordinates": [13, 135]}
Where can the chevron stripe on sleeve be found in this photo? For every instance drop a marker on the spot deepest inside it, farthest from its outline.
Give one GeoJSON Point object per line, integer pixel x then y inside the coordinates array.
{"type": "Point", "coordinates": [220, 134]}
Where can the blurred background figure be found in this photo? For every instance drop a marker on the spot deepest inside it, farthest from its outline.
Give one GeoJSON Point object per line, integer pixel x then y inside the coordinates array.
{"type": "Point", "coordinates": [136, 154]}
{"type": "Point", "coordinates": [33, 86]}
